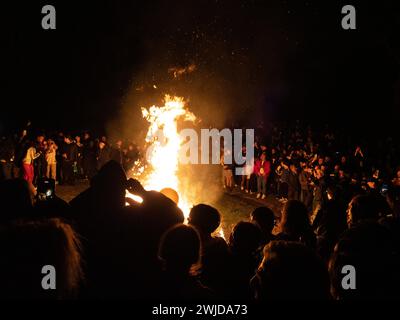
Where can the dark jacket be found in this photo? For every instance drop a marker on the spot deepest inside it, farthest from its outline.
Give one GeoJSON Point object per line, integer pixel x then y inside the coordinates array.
{"type": "Point", "coordinates": [71, 151]}
{"type": "Point", "coordinates": [103, 156]}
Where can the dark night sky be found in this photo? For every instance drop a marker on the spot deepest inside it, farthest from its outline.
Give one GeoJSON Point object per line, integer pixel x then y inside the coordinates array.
{"type": "Point", "coordinates": [278, 59]}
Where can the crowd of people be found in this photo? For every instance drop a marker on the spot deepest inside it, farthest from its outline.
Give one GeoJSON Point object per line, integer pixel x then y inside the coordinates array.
{"type": "Point", "coordinates": [338, 210]}
{"type": "Point", "coordinates": [295, 164]}
{"type": "Point", "coordinates": [64, 158]}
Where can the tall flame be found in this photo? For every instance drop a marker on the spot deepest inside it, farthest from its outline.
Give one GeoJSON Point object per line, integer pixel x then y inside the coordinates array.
{"type": "Point", "coordinates": [163, 147]}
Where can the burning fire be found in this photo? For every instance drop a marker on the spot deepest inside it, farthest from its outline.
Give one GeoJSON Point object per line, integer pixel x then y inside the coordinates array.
{"type": "Point", "coordinates": [163, 146]}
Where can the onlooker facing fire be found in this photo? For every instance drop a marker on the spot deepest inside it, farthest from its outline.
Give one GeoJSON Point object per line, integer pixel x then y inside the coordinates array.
{"type": "Point", "coordinates": [51, 170]}
{"type": "Point", "coordinates": [262, 168]}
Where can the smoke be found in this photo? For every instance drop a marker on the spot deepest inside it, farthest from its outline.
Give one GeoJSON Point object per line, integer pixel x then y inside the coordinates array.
{"type": "Point", "coordinates": [190, 50]}
{"type": "Point", "coordinates": [179, 72]}
{"type": "Point", "coordinates": [206, 97]}
{"type": "Point", "coordinates": [211, 64]}
{"type": "Point", "coordinates": [202, 183]}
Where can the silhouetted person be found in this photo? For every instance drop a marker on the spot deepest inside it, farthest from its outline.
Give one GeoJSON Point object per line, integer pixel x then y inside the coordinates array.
{"type": "Point", "coordinates": [106, 192]}
{"type": "Point", "coordinates": [103, 154]}
{"type": "Point", "coordinates": [295, 224]}
{"type": "Point", "coordinates": [7, 153]}
{"type": "Point", "coordinates": [180, 253]}
{"type": "Point", "coordinates": [290, 271]}
{"type": "Point", "coordinates": [364, 208]}
{"type": "Point", "coordinates": [16, 200]}
{"type": "Point", "coordinates": [392, 224]}
{"type": "Point", "coordinates": [40, 162]}
{"type": "Point", "coordinates": [293, 183]}
{"type": "Point", "coordinates": [69, 157]}
{"type": "Point", "coordinates": [121, 242]}
{"type": "Point", "coordinates": [264, 218]}
{"type": "Point", "coordinates": [116, 152]}
{"type": "Point", "coordinates": [88, 156]}
{"type": "Point", "coordinates": [108, 234]}
{"type": "Point", "coordinates": [26, 247]}
{"type": "Point", "coordinates": [331, 223]}
{"type": "Point", "coordinates": [214, 250]}
{"type": "Point", "coordinates": [245, 245]}
{"type": "Point", "coordinates": [369, 248]}
{"type": "Point", "coordinates": [158, 213]}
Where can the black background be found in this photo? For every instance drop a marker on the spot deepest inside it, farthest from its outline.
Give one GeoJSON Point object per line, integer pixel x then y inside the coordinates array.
{"type": "Point", "coordinates": [280, 60]}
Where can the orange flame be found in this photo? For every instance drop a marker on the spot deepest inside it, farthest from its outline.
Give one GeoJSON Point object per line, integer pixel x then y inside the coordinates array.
{"type": "Point", "coordinates": [164, 143]}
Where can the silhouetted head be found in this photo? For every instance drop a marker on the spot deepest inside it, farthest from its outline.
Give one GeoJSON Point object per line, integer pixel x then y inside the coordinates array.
{"type": "Point", "coordinates": [368, 247]}
{"type": "Point", "coordinates": [15, 200]}
{"type": "Point", "coordinates": [40, 138]}
{"type": "Point", "coordinates": [180, 248]}
{"type": "Point", "coordinates": [26, 247]}
{"type": "Point", "coordinates": [264, 218]}
{"type": "Point", "coordinates": [294, 220]}
{"type": "Point", "coordinates": [204, 218]}
{"type": "Point", "coordinates": [171, 194]}
{"type": "Point", "coordinates": [290, 270]}
{"type": "Point", "coordinates": [361, 208]}
{"type": "Point", "coordinates": [392, 224]}
{"type": "Point", "coordinates": [246, 238]}
{"type": "Point", "coordinates": [110, 183]}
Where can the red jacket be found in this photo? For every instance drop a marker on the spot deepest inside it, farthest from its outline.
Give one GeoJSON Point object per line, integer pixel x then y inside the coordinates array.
{"type": "Point", "coordinates": [266, 166]}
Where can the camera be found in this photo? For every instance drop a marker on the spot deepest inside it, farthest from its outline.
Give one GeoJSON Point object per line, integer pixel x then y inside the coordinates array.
{"type": "Point", "coordinates": [46, 189]}
{"type": "Point", "coordinates": [384, 189]}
